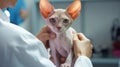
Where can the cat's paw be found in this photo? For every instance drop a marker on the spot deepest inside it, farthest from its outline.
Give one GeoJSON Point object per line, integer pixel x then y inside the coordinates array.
{"type": "Point", "coordinates": [65, 65]}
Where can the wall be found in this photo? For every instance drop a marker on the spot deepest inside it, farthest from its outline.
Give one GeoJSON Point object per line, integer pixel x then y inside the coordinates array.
{"type": "Point", "coordinates": [28, 24]}
{"type": "Point", "coordinates": [99, 17]}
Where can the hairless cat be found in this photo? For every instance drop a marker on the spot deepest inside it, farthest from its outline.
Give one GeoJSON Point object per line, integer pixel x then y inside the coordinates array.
{"type": "Point", "coordinates": [60, 21]}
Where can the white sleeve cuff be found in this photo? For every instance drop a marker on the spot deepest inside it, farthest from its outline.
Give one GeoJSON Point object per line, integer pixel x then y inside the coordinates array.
{"type": "Point", "coordinates": [83, 61]}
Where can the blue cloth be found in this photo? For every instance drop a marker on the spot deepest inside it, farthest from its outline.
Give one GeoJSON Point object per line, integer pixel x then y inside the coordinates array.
{"type": "Point", "coordinates": [15, 12]}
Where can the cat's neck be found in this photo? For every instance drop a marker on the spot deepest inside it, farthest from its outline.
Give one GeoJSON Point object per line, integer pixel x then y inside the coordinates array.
{"type": "Point", "coordinates": [62, 34]}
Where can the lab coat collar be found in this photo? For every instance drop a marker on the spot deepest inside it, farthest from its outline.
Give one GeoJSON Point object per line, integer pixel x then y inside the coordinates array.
{"type": "Point", "coordinates": [3, 16]}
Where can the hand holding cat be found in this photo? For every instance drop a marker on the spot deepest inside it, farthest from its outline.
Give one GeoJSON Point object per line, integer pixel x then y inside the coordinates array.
{"type": "Point", "coordinates": [82, 45]}
{"type": "Point", "coordinates": [45, 34]}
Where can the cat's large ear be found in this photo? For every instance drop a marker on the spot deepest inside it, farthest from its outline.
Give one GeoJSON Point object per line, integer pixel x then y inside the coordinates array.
{"type": "Point", "coordinates": [74, 9]}
{"type": "Point", "coordinates": [45, 8]}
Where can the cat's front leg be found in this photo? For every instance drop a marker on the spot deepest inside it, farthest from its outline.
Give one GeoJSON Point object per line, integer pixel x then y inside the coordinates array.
{"type": "Point", "coordinates": [65, 65]}
{"type": "Point", "coordinates": [53, 52]}
{"type": "Point", "coordinates": [68, 61]}
{"type": "Point", "coordinates": [54, 58]}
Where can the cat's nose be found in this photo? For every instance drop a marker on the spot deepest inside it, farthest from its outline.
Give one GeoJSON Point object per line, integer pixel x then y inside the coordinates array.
{"type": "Point", "coordinates": [58, 28]}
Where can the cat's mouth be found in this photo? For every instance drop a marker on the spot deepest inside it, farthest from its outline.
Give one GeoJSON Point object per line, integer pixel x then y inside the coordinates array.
{"type": "Point", "coordinates": [58, 30]}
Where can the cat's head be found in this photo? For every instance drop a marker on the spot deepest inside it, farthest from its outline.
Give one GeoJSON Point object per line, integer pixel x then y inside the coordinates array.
{"type": "Point", "coordinates": [59, 20]}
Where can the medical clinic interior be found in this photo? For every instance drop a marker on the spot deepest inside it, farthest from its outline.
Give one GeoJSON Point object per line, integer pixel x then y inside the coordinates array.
{"type": "Point", "coordinates": [99, 20]}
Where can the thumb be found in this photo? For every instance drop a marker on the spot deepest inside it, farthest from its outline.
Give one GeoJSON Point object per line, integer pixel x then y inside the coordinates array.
{"type": "Point", "coordinates": [76, 42]}
{"type": "Point", "coordinates": [75, 37]}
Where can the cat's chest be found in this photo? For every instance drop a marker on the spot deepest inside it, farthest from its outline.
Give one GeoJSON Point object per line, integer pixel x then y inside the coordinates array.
{"type": "Point", "coordinates": [64, 39]}
{"type": "Point", "coordinates": [62, 45]}
{"type": "Point", "coordinates": [61, 42]}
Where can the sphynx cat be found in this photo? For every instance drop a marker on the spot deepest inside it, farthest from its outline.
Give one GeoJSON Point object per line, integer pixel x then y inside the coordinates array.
{"type": "Point", "coordinates": [59, 21]}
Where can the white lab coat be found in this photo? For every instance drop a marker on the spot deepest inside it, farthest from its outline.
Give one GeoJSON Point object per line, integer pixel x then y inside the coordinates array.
{"type": "Point", "coordinates": [19, 48]}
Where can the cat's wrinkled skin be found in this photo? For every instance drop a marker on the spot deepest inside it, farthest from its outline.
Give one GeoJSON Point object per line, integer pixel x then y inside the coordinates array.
{"type": "Point", "coordinates": [59, 21]}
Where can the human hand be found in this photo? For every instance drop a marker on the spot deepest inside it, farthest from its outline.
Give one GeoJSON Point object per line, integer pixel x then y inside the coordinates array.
{"type": "Point", "coordinates": [23, 13]}
{"type": "Point", "coordinates": [45, 34]}
{"type": "Point", "coordinates": [82, 45]}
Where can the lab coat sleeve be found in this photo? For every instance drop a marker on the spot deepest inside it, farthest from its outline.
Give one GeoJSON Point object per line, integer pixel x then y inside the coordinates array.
{"type": "Point", "coordinates": [83, 61]}
{"type": "Point", "coordinates": [22, 49]}
{"type": "Point", "coordinates": [30, 56]}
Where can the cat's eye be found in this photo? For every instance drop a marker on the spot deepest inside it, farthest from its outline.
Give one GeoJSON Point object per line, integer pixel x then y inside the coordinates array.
{"type": "Point", "coordinates": [65, 21]}
{"type": "Point", "coordinates": [52, 20]}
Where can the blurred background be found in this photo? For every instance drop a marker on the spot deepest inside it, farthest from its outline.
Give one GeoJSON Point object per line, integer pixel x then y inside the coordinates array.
{"type": "Point", "coordinates": [99, 20]}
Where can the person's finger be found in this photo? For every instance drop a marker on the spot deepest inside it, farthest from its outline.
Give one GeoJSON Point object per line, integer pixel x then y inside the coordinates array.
{"type": "Point", "coordinates": [52, 35]}
{"type": "Point", "coordinates": [75, 44]}
{"type": "Point", "coordinates": [91, 46]}
{"type": "Point", "coordinates": [90, 52]}
{"type": "Point", "coordinates": [81, 36]}
{"type": "Point", "coordinates": [46, 36]}
{"type": "Point", "coordinates": [46, 29]}
{"type": "Point", "coordinates": [75, 40]}
{"type": "Point", "coordinates": [75, 37]}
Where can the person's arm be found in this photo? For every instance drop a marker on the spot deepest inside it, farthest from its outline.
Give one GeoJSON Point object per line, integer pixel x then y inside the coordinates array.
{"type": "Point", "coordinates": [23, 13]}
{"type": "Point", "coordinates": [23, 9]}
{"type": "Point", "coordinates": [19, 48]}
{"type": "Point", "coordinates": [32, 54]}
{"type": "Point", "coordinates": [82, 50]}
